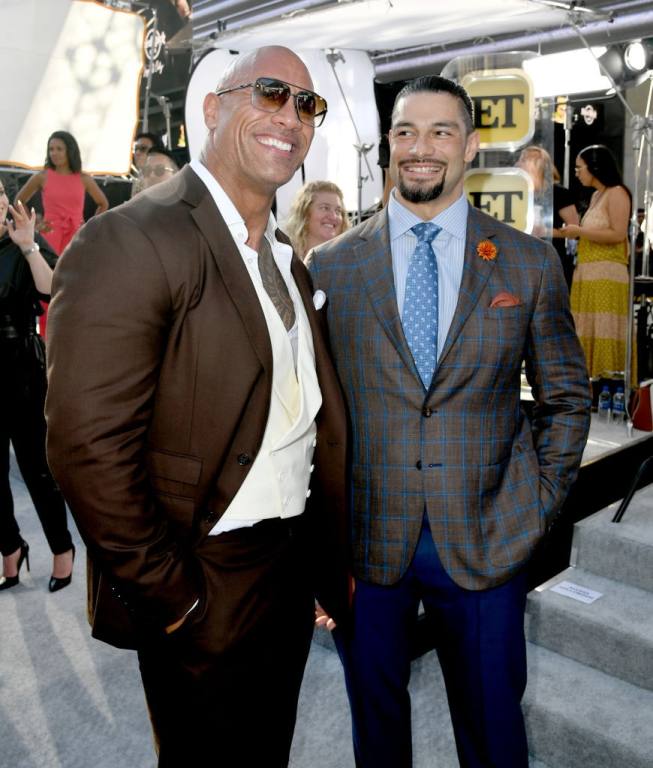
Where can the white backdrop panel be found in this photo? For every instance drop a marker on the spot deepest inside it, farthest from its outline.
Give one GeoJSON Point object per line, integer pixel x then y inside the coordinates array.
{"type": "Point", "coordinates": [73, 65]}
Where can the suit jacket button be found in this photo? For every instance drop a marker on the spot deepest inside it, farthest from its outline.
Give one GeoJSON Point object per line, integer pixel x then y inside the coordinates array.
{"type": "Point", "coordinates": [418, 465]}
{"type": "Point", "coordinates": [243, 459]}
{"type": "Point", "coordinates": [426, 412]}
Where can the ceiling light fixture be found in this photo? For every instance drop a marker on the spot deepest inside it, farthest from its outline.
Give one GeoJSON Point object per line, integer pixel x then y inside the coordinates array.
{"type": "Point", "coordinates": [637, 56]}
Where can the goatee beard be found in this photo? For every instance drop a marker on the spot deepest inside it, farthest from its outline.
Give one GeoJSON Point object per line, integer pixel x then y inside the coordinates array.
{"type": "Point", "coordinates": [420, 194]}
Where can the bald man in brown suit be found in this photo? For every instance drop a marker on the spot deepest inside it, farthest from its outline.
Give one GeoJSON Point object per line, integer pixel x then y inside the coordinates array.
{"type": "Point", "coordinates": [191, 396]}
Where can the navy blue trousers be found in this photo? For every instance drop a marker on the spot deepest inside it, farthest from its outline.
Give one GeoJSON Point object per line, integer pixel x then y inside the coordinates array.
{"type": "Point", "coordinates": [481, 648]}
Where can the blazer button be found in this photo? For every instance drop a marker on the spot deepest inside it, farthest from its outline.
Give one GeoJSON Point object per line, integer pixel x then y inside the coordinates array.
{"type": "Point", "coordinates": [426, 412]}
{"type": "Point", "coordinates": [243, 459]}
{"type": "Point", "coordinates": [418, 465]}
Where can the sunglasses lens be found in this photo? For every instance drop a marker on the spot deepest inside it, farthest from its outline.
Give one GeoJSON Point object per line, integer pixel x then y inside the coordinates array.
{"type": "Point", "coordinates": [270, 95]}
{"type": "Point", "coordinates": [311, 108]}
{"type": "Point", "coordinates": [306, 106]}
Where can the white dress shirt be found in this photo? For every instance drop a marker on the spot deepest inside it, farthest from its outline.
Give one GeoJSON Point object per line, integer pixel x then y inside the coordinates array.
{"type": "Point", "coordinates": [278, 479]}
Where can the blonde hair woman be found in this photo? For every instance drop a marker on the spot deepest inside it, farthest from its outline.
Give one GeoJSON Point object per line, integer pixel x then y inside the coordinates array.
{"type": "Point", "coordinates": [317, 214]}
{"type": "Point", "coordinates": [537, 162]}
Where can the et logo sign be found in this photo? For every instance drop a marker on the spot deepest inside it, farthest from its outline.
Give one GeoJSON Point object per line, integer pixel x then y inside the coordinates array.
{"type": "Point", "coordinates": [504, 107]}
{"type": "Point", "coordinates": [504, 193]}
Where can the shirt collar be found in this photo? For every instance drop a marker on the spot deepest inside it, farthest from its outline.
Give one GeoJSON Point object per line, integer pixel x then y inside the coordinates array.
{"type": "Point", "coordinates": [228, 210]}
{"type": "Point", "coordinates": [453, 220]}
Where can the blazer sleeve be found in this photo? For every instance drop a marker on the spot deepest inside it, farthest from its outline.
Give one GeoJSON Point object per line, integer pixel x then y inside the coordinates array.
{"type": "Point", "coordinates": [557, 373]}
{"type": "Point", "coordinates": [107, 332]}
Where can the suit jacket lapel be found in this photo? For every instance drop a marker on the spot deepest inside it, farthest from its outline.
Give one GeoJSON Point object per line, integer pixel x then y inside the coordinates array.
{"type": "Point", "coordinates": [303, 283]}
{"type": "Point", "coordinates": [332, 400]}
{"type": "Point", "coordinates": [374, 261]}
{"type": "Point", "coordinates": [476, 272]}
{"type": "Point", "coordinates": [229, 263]}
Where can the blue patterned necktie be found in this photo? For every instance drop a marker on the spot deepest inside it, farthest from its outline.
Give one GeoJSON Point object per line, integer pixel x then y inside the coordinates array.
{"type": "Point", "coordinates": [420, 315]}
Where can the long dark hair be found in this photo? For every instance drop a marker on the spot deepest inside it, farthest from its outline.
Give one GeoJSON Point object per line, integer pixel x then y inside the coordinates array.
{"type": "Point", "coordinates": [72, 151]}
{"type": "Point", "coordinates": [602, 165]}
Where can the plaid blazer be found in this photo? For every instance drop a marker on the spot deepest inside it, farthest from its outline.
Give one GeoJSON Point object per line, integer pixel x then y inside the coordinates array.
{"type": "Point", "coordinates": [490, 479]}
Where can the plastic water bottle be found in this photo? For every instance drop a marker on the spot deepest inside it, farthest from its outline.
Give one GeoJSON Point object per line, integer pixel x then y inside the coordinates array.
{"type": "Point", "coordinates": [605, 404]}
{"type": "Point", "coordinates": [619, 406]}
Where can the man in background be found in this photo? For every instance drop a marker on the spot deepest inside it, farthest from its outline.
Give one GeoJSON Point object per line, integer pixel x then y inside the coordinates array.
{"type": "Point", "coordinates": [192, 403]}
{"type": "Point", "coordinates": [143, 143]}
{"type": "Point", "coordinates": [160, 165]}
{"type": "Point", "coordinates": [432, 308]}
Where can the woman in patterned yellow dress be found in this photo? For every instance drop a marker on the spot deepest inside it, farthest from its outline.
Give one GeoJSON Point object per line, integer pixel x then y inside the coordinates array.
{"type": "Point", "coordinates": [599, 291]}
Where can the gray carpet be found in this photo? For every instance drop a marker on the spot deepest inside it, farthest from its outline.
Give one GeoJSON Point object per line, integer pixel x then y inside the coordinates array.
{"type": "Point", "coordinates": [68, 701]}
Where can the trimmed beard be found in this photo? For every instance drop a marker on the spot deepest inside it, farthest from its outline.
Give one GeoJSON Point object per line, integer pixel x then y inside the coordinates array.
{"type": "Point", "coordinates": [420, 194]}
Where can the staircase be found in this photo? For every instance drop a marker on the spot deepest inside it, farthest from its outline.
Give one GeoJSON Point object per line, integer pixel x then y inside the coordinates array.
{"type": "Point", "coordinates": [589, 701]}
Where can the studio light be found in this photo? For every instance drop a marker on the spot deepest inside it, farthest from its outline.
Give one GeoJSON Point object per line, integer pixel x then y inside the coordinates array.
{"type": "Point", "coordinates": [612, 62]}
{"type": "Point", "coordinates": [567, 73]}
{"type": "Point", "coordinates": [638, 55]}
{"type": "Point", "coordinates": [80, 66]}
{"type": "Point", "coordinates": [628, 65]}
{"type": "Point", "coordinates": [635, 56]}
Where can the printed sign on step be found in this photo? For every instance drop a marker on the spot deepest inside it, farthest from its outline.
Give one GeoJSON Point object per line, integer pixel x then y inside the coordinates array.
{"type": "Point", "coordinates": [576, 592]}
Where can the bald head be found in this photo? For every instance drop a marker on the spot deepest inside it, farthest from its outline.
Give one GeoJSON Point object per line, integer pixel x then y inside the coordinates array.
{"type": "Point", "coordinates": [254, 145]}
{"type": "Point", "coordinates": [262, 62]}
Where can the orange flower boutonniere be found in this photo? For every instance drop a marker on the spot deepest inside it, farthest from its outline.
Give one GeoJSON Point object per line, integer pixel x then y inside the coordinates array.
{"type": "Point", "coordinates": [487, 250]}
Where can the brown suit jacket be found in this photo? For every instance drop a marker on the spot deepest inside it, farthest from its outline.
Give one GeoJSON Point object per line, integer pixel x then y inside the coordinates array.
{"type": "Point", "coordinates": [160, 371]}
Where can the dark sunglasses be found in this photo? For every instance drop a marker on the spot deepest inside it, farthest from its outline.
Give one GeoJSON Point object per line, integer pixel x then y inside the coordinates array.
{"type": "Point", "coordinates": [269, 95]}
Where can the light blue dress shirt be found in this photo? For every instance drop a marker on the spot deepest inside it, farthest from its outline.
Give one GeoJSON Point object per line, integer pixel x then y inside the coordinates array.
{"type": "Point", "coordinates": [449, 248]}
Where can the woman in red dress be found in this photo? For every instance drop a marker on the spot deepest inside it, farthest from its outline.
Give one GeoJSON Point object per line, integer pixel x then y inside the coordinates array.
{"type": "Point", "coordinates": [63, 186]}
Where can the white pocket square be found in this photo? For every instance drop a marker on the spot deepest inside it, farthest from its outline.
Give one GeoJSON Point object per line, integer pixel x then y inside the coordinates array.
{"type": "Point", "coordinates": [319, 299]}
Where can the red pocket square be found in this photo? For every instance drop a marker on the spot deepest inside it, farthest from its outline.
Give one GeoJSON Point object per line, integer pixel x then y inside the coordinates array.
{"type": "Point", "coordinates": [505, 299]}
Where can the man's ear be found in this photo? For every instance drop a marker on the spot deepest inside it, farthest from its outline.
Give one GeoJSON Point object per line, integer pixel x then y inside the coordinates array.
{"type": "Point", "coordinates": [211, 107]}
{"type": "Point", "coordinates": [471, 146]}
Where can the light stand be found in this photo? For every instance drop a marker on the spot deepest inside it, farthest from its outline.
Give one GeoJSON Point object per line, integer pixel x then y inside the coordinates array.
{"type": "Point", "coordinates": [570, 245]}
{"type": "Point", "coordinates": [642, 131]}
{"type": "Point", "coordinates": [361, 148]}
{"type": "Point", "coordinates": [153, 29]}
{"type": "Point", "coordinates": [164, 103]}
{"type": "Point", "coordinates": [152, 26]}
{"type": "Point", "coordinates": [642, 126]}
{"type": "Point", "coordinates": [569, 122]}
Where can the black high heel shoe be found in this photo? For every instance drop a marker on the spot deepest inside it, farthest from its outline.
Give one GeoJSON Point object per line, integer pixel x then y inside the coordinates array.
{"type": "Point", "coordinates": [7, 582]}
{"type": "Point", "coordinates": [59, 582]}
